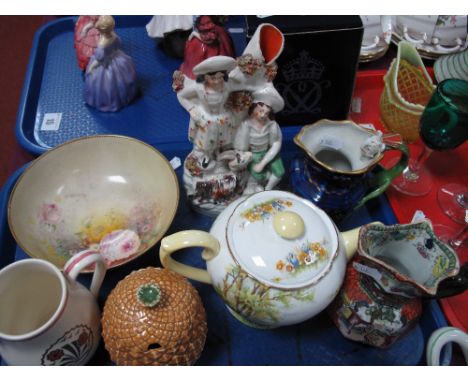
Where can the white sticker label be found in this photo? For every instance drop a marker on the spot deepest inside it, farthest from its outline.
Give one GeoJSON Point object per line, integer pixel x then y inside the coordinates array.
{"type": "Point", "coordinates": [331, 142]}
{"type": "Point", "coordinates": [51, 121]}
{"type": "Point", "coordinates": [418, 217]}
{"type": "Point", "coordinates": [235, 30]}
{"type": "Point", "coordinates": [356, 105]}
{"type": "Point", "coordinates": [372, 272]}
{"type": "Point", "coordinates": [175, 163]}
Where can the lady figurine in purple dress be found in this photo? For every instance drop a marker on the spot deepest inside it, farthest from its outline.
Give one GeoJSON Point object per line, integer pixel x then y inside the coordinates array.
{"type": "Point", "coordinates": [110, 81]}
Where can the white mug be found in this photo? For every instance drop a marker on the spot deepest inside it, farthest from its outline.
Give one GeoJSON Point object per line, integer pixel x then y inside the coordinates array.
{"type": "Point", "coordinates": [440, 338]}
{"type": "Point", "coordinates": [46, 317]}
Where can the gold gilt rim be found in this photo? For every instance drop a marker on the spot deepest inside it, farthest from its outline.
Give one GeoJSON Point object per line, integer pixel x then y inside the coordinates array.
{"type": "Point", "coordinates": [371, 56]}
{"type": "Point", "coordinates": [297, 141]}
{"type": "Point", "coordinates": [93, 137]}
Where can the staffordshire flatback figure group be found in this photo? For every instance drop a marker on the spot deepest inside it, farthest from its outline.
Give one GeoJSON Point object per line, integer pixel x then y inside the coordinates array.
{"type": "Point", "coordinates": [236, 142]}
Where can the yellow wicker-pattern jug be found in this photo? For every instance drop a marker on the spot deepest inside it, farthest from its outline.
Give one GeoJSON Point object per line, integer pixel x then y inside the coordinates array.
{"type": "Point", "coordinates": [408, 88]}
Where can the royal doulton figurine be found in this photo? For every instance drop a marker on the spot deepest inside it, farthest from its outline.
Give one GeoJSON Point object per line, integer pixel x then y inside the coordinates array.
{"type": "Point", "coordinates": [236, 142]}
{"type": "Point", "coordinates": [171, 33]}
{"type": "Point", "coordinates": [110, 80]}
{"type": "Point", "coordinates": [208, 39]}
{"type": "Point", "coordinates": [86, 39]}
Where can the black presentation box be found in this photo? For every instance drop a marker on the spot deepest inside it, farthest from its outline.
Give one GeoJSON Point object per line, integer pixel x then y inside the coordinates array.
{"type": "Point", "coordinates": [317, 67]}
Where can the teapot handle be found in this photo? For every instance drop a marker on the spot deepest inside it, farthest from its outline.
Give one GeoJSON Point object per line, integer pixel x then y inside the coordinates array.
{"type": "Point", "coordinates": [186, 239]}
{"type": "Point", "coordinates": [385, 177]}
{"type": "Point", "coordinates": [82, 260]}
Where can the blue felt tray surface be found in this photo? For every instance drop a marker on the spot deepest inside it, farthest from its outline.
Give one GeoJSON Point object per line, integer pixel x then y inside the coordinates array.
{"type": "Point", "coordinates": [54, 84]}
{"type": "Point", "coordinates": [314, 342]}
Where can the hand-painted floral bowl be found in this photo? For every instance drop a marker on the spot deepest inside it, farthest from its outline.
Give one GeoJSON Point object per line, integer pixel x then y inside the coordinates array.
{"type": "Point", "coordinates": [105, 193]}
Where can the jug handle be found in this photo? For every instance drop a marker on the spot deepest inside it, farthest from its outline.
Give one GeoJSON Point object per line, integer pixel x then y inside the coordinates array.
{"type": "Point", "coordinates": [83, 259]}
{"type": "Point", "coordinates": [385, 177]}
{"type": "Point", "coordinates": [440, 338]}
{"type": "Point", "coordinates": [454, 285]}
{"type": "Point", "coordinates": [186, 239]}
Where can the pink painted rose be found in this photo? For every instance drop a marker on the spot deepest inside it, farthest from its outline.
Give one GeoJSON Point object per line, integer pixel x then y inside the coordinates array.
{"type": "Point", "coordinates": [142, 219]}
{"type": "Point", "coordinates": [50, 213]}
{"type": "Point", "coordinates": [119, 245]}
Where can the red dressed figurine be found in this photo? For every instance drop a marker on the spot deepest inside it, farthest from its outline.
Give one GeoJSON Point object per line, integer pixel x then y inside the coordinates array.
{"type": "Point", "coordinates": [208, 39]}
{"type": "Point", "coordinates": [86, 39]}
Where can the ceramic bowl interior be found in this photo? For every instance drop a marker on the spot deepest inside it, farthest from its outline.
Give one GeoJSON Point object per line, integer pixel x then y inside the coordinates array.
{"type": "Point", "coordinates": [73, 196]}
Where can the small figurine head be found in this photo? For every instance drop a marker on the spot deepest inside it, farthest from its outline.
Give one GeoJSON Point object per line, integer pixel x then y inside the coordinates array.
{"type": "Point", "coordinates": [105, 24]}
{"type": "Point", "coordinates": [265, 103]}
{"type": "Point", "coordinates": [213, 80]}
{"type": "Point", "coordinates": [261, 112]}
{"type": "Point", "coordinates": [207, 29]}
{"type": "Point", "coordinates": [213, 72]}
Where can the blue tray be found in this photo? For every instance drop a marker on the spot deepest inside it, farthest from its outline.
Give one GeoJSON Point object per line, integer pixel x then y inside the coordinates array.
{"type": "Point", "coordinates": [314, 342]}
{"type": "Point", "coordinates": [54, 84]}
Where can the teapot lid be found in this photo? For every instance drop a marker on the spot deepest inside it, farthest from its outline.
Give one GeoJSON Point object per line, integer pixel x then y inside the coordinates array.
{"type": "Point", "coordinates": [282, 240]}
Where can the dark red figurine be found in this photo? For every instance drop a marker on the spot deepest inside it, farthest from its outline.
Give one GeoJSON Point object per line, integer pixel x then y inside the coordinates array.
{"type": "Point", "coordinates": [208, 39]}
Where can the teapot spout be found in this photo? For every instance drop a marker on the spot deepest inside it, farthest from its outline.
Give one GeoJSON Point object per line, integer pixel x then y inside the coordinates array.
{"type": "Point", "coordinates": [350, 239]}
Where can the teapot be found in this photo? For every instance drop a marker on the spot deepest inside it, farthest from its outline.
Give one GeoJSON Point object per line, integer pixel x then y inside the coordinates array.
{"type": "Point", "coordinates": [275, 258]}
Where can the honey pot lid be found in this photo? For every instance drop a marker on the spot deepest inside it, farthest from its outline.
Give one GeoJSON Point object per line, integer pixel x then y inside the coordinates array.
{"type": "Point", "coordinates": [154, 317]}
{"type": "Point", "coordinates": [151, 293]}
{"type": "Point", "coordinates": [282, 240]}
